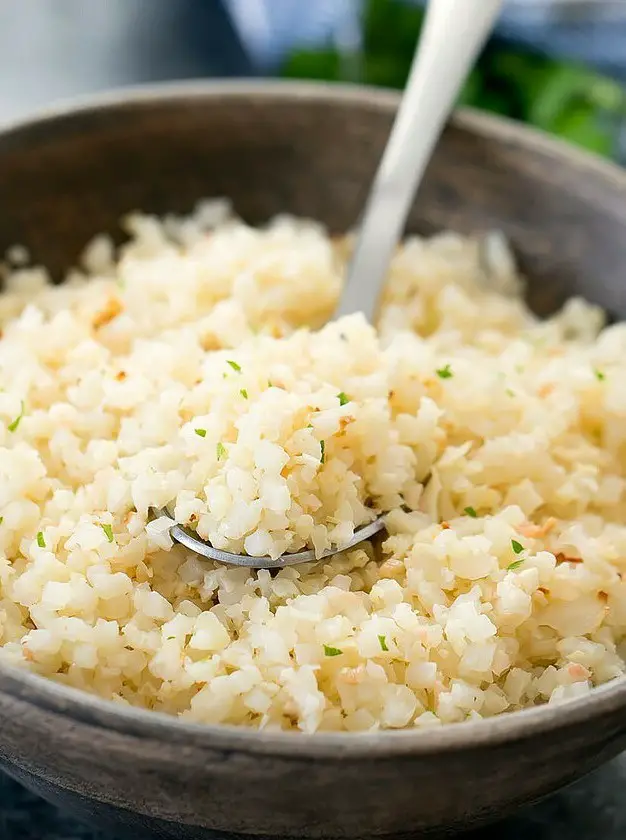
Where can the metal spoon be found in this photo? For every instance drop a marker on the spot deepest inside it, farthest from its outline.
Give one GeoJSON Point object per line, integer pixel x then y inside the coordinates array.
{"type": "Point", "coordinates": [454, 33]}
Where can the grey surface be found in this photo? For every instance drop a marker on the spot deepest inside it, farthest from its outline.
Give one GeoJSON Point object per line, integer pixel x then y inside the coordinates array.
{"type": "Point", "coordinates": [590, 810]}
{"type": "Point", "coordinates": [52, 50]}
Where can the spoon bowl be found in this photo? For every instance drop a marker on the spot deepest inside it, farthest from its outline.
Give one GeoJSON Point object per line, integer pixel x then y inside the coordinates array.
{"type": "Point", "coordinates": [204, 548]}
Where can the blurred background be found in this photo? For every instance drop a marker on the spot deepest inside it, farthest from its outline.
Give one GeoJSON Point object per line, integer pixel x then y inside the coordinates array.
{"type": "Point", "coordinates": [556, 64]}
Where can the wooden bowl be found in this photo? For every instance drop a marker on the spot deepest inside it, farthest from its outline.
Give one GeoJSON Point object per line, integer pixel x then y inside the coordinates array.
{"type": "Point", "coordinates": [309, 150]}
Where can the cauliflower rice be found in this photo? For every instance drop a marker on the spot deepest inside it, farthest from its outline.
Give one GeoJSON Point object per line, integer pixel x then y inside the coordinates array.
{"type": "Point", "coordinates": [193, 369]}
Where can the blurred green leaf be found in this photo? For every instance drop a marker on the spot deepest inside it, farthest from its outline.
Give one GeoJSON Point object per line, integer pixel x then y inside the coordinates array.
{"type": "Point", "coordinates": [496, 101]}
{"type": "Point", "coordinates": [391, 27]}
{"type": "Point", "coordinates": [581, 126]}
{"type": "Point", "coordinates": [384, 71]}
{"type": "Point", "coordinates": [470, 95]}
{"type": "Point", "coordinates": [312, 64]}
{"type": "Point", "coordinates": [564, 87]}
{"type": "Point", "coordinates": [566, 99]}
{"type": "Point", "coordinates": [519, 75]}
{"type": "Point", "coordinates": [608, 95]}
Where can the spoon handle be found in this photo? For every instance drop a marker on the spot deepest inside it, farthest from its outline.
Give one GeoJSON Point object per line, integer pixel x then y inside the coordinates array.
{"type": "Point", "coordinates": [454, 32]}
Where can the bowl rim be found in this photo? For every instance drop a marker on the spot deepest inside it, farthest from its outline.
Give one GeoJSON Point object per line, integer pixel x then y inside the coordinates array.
{"type": "Point", "coordinates": [49, 696]}
{"type": "Point", "coordinates": [473, 120]}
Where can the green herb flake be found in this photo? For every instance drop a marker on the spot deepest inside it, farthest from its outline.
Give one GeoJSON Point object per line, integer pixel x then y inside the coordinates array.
{"type": "Point", "coordinates": [471, 512]}
{"type": "Point", "coordinates": [40, 540]}
{"type": "Point", "coordinates": [517, 546]}
{"type": "Point", "coordinates": [332, 651]}
{"type": "Point", "coordinates": [510, 392]}
{"type": "Point", "coordinates": [200, 432]}
{"type": "Point", "coordinates": [514, 565]}
{"type": "Point", "coordinates": [15, 423]}
{"type": "Point", "coordinates": [108, 530]}
{"type": "Point", "coordinates": [343, 398]}
{"type": "Point", "coordinates": [233, 365]}
{"type": "Point", "coordinates": [445, 372]}
{"type": "Point", "coordinates": [323, 448]}
{"type": "Point", "coordinates": [1, 519]}
{"type": "Point", "coordinates": [244, 393]}
{"type": "Point", "coordinates": [383, 643]}
{"type": "Point", "coordinates": [600, 376]}
{"type": "Point", "coordinates": [220, 450]}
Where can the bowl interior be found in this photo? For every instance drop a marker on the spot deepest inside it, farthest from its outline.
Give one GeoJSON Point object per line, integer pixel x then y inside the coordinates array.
{"type": "Point", "coordinates": [309, 150]}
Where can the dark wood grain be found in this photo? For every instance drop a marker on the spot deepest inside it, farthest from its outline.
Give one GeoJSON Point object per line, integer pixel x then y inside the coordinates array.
{"type": "Point", "coordinates": [311, 151]}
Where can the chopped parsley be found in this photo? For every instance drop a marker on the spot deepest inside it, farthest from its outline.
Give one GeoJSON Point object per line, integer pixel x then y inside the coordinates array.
{"type": "Point", "coordinates": [108, 531]}
{"type": "Point", "coordinates": [15, 423]}
{"type": "Point", "coordinates": [383, 643]}
{"type": "Point", "coordinates": [234, 365]}
{"type": "Point", "coordinates": [1, 519]}
{"type": "Point", "coordinates": [445, 372]}
{"type": "Point", "coordinates": [343, 398]}
{"type": "Point", "coordinates": [332, 651]}
{"type": "Point", "coordinates": [517, 546]}
{"type": "Point", "coordinates": [600, 376]}
{"type": "Point", "coordinates": [514, 565]}
{"type": "Point", "coordinates": [323, 448]}
{"type": "Point", "coordinates": [200, 432]}
{"type": "Point", "coordinates": [220, 450]}
{"type": "Point", "coordinates": [244, 393]}
{"type": "Point", "coordinates": [40, 540]}
{"type": "Point", "coordinates": [471, 512]}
